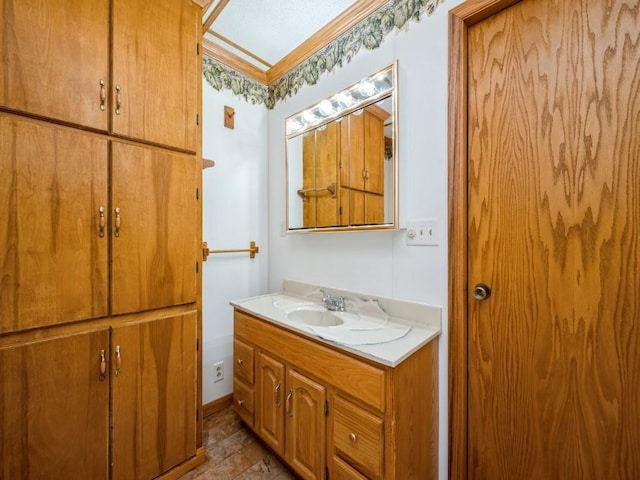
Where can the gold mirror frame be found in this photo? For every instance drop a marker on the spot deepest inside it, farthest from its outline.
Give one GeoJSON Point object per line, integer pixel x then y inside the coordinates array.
{"type": "Point", "coordinates": [342, 159]}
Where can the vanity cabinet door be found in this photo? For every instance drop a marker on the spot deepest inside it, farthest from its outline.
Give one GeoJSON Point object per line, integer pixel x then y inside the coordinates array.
{"type": "Point", "coordinates": [270, 408]}
{"type": "Point", "coordinates": [305, 425]}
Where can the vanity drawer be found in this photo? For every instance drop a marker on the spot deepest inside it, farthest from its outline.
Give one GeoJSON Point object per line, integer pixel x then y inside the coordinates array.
{"type": "Point", "coordinates": [243, 401]}
{"type": "Point", "coordinates": [358, 437]}
{"type": "Point", "coordinates": [343, 471]}
{"type": "Point", "coordinates": [243, 358]}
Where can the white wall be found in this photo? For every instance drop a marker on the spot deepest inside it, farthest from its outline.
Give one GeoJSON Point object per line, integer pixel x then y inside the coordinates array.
{"type": "Point", "coordinates": [380, 262]}
{"type": "Point", "coordinates": [245, 201]}
{"type": "Point", "coordinates": [234, 213]}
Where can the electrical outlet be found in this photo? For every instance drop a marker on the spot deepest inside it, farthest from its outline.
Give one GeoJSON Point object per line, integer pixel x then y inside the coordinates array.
{"type": "Point", "coordinates": [422, 232]}
{"type": "Point", "coordinates": [218, 369]}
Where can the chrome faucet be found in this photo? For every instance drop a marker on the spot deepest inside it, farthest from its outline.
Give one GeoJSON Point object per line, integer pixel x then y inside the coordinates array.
{"type": "Point", "coordinates": [333, 303]}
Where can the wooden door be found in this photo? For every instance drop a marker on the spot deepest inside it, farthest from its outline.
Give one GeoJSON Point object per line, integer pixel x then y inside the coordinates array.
{"type": "Point", "coordinates": [54, 408]}
{"type": "Point", "coordinates": [306, 426]}
{"type": "Point", "coordinates": [155, 71]}
{"type": "Point", "coordinates": [153, 374]}
{"type": "Point", "coordinates": [308, 180]}
{"type": "Point", "coordinates": [53, 183]}
{"type": "Point", "coordinates": [553, 215]}
{"type": "Point", "coordinates": [47, 66]}
{"type": "Point", "coordinates": [374, 117]}
{"type": "Point", "coordinates": [270, 408]}
{"type": "Point", "coordinates": [327, 151]}
{"type": "Point", "coordinates": [154, 247]}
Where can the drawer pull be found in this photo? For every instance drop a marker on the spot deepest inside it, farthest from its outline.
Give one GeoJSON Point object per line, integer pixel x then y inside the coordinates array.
{"type": "Point", "coordinates": [240, 403]}
{"type": "Point", "coordinates": [353, 437]}
{"type": "Point", "coordinates": [240, 361]}
{"type": "Point", "coordinates": [118, 99]}
{"type": "Point", "coordinates": [103, 95]}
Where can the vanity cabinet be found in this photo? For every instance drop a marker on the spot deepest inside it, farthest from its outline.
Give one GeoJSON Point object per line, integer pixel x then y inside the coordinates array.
{"type": "Point", "coordinates": [323, 409]}
{"type": "Point", "coordinates": [50, 68]}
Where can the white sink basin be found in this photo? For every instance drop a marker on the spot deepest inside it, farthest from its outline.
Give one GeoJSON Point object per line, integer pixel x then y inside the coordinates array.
{"type": "Point", "coordinates": [317, 317]}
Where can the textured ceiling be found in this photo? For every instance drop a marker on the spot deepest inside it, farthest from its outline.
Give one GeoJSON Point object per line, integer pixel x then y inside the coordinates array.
{"type": "Point", "coordinates": [269, 29]}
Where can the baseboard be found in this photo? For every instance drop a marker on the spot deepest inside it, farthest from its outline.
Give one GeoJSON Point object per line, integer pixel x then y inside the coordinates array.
{"type": "Point", "coordinates": [217, 405]}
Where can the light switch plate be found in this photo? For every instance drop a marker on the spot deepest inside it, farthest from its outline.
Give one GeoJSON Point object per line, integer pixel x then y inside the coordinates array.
{"type": "Point", "coordinates": [423, 232]}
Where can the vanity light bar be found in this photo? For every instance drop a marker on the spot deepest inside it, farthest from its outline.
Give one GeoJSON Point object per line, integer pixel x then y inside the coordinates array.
{"type": "Point", "coordinates": [358, 95]}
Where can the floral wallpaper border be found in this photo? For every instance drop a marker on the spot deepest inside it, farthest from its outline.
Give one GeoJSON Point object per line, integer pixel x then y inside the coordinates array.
{"type": "Point", "coordinates": [368, 34]}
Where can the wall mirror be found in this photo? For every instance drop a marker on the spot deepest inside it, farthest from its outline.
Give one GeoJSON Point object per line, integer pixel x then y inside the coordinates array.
{"type": "Point", "coordinates": [342, 157]}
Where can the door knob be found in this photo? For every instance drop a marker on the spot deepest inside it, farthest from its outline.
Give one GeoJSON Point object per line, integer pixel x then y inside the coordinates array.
{"type": "Point", "coordinates": [481, 291]}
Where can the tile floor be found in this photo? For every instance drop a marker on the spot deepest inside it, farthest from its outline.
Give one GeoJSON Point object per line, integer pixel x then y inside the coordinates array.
{"type": "Point", "coordinates": [233, 452]}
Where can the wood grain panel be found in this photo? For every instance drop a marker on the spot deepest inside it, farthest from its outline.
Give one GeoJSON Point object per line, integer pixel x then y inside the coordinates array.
{"type": "Point", "coordinates": [305, 426]}
{"type": "Point", "coordinates": [554, 205]}
{"type": "Point", "coordinates": [270, 397]}
{"type": "Point", "coordinates": [52, 62]}
{"type": "Point", "coordinates": [154, 396]}
{"type": "Point", "coordinates": [327, 157]}
{"type": "Point", "coordinates": [156, 68]}
{"type": "Point", "coordinates": [153, 258]}
{"type": "Point", "coordinates": [54, 415]}
{"type": "Point", "coordinates": [53, 182]}
{"type": "Point", "coordinates": [345, 372]}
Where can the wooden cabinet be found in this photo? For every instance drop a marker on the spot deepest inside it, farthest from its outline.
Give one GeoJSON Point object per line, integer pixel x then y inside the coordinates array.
{"type": "Point", "coordinates": [321, 408]}
{"type": "Point", "coordinates": [54, 407]}
{"type": "Point", "coordinates": [155, 71]}
{"type": "Point", "coordinates": [290, 415]}
{"type": "Point", "coordinates": [53, 253]}
{"type": "Point", "coordinates": [63, 72]}
{"type": "Point", "coordinates": [99, 239]}
{"type": "Point", "coordinates": [153, 373]}
{"type": "Point", "coordinates": [154, 228]}
{"type": "Point", "coordinates": [305, 425]}
{"type": "Point", "coordinates": [343, 171]}
{"type": "Point", "coordinates": [55, 59]}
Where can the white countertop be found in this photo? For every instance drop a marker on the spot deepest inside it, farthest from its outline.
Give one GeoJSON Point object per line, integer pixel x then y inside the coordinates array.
{"type": "Point", "coordinates": [415, 323]}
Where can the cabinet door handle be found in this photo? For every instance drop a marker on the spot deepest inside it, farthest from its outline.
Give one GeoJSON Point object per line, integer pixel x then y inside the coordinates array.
{"type": "Point", "coordinates": [118, 99]}
{"type": "Point", "coordinates": [116, 233]}
{"type": "Point", "coordinates": [240, 403]}
{"type": "Point", "coordinates": [103, 95]}
{"type": "Point", "coordinates": [240, 361]}
{"type": "Point", "coordinates": [276, 393]}
{"type": "Point", "coordinates": [102, 221]}
{"type": "Point", "coordinates": [353, 437]}
{"type": "Point", "coordinates": [289, 409]}
{"type": "Point", "coordinates": [103, 366]}
{"type": "Point", "coordinates": [118, 360]}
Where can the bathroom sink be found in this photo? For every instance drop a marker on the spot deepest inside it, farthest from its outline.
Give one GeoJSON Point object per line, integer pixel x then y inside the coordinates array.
{"type": "Point", "coordinates": [316, 316]}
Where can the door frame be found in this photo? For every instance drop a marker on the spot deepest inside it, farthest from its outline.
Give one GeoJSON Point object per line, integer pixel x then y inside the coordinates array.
{"type": "Point", "coordinates": [461, 18]}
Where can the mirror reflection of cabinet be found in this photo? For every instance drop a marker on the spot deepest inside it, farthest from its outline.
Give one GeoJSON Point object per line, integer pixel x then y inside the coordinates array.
{"type": "Point", "coordinates": [342, 169]}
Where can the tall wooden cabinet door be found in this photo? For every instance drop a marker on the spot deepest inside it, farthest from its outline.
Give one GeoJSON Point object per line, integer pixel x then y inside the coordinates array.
{"type": "Point", "coordinates": [309, 179]}
{"type": "Point", "coordinates": [270, 408]}
{"type": "Point", "coordinates": [327, 150]}
{"type": "Point", "coordinates": [153, 229]}
{"type": "Point", "coordinates": [54, 408]}
{"type": "Point", "coordinates": [155, 71]}
{"type": "Point", "coordinates": [374, 150]}
{"type": "Point", "coordinates": [356, 150]}
{"type": "Point", "coordinates": [153, 374]}
{"type": "Point", "coordinates": [52, 62]}
{"type": "Point", "coordinates": [306, 426]}
{"type": "Point", "coordinates": [53, 185]}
